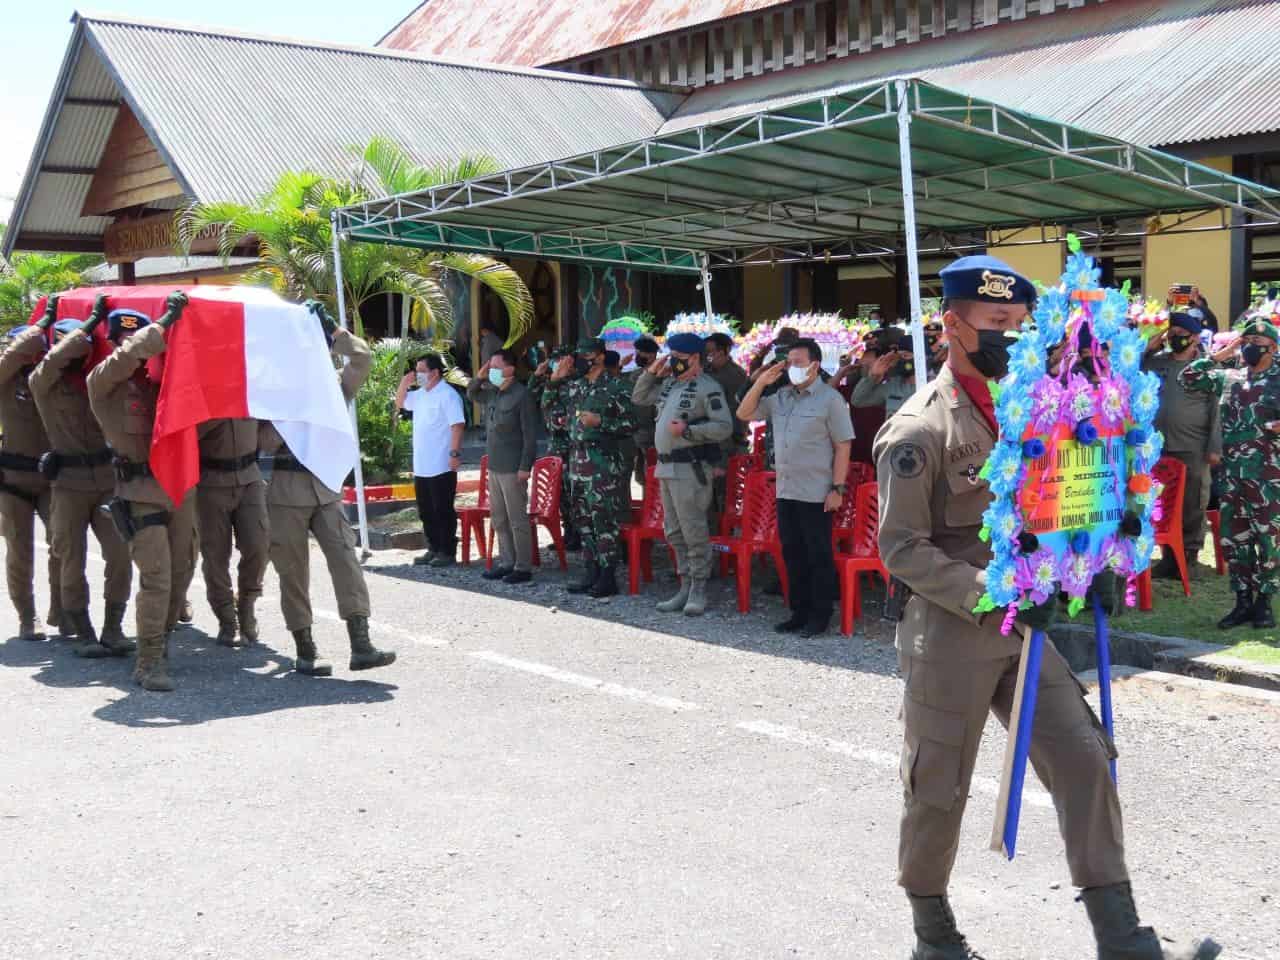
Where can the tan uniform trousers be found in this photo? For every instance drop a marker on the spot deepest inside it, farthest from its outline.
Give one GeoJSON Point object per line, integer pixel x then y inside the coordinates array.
{"type": "Point", "coordinates": [74, 513]}
{"type": "Point", "coordinates": [289, 555]}
{"type": "Point", "coordinates": [509, 514]}
{"type": "Point", "coordinates": [242, 511]}
{"type": "Point", "coordinates": [945, 709]}
{"type": "Point", "coordinates": [1195, 500]}
{"type": "Point", "coordinates": [19, 529]}
{"type": "Point", "coordinates": [165, 555]}
{"type": "Point", "coordinates": [684, 507]}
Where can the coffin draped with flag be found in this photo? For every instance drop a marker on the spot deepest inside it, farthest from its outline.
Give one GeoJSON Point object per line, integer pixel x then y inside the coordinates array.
{"type": "Point", "coordinates": [237, 352]}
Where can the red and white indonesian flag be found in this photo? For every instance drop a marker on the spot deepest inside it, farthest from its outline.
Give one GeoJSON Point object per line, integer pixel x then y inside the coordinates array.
{"type": "Point", "coordinates": [236, 352]}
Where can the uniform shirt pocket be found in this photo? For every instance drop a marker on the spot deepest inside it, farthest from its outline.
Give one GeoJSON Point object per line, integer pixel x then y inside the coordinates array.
{"type": "Point", "coordinates": [969, 495]}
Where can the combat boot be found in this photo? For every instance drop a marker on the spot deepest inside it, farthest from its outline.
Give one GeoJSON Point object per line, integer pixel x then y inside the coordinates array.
{"type": "Point", "coordinates": [66, 626]}
{"type": "Point", "coordinates": [1167, 568]}
{"type": "Point", "coordinates": [27, 629]}
{"type": "Point", "coordinates": [572, 539]}
{"type": "Point", "coordinates": [1115, 928]}
{"type": "Point", "coordinates": [113, 637]}
{"type": "Point", "coordinates": [936, 935]}
{"type": "Point", "coordinates": [697, 604]}
{"type": "Point", "coordinates": [306, 660]}
{"type": "Point", "coordinates": [248, 621]}
{"type": "Point", "coordinates": [590, 574]}
{"type": "Point", "coordinates": [1264, 617]}
{"type": "Point", "coordinates": [228, 628]}
{"type": "Point", "coordinates": [86, 638]}
{"type": "Point", "coordinates": [54, 619]}
{"type": "Point", "coordinates": [606, 584]}
{"type": "Point", "coordinates": [364, 655]}
{"type": "Point", "coordinates": [677, 602]}
{"type": "Point", "coordinates": [151, 670]}
{"type": "Point", "coordinates": [1242, 612]}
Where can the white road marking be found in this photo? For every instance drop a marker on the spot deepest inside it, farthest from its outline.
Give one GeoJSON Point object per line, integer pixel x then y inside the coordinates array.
{"type": "Point", "coordinates": [587, 683]}
{"type": "Point", "coordinates": [383, 629]}
{"type": "Point", "coordinates": [875, 758]}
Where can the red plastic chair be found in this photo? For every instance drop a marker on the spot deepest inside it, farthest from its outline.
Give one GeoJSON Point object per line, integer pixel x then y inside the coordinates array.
{"type": "Point", "coordinates": [759, 536]}
{"type": "Point", "coordinates": [843, 525]}
{"type": "Point", "coordinates": [735, 489]}
{"type": "Point", "coordinates": [1172, 474]}
{"type": "Point", "coordinates": [640, 536]}
{"type": "Point", "coordinates": [757, 438]}
{"type": "Point", "coordinates": [544, 509]}
{"type": "Point", "coordinates": [1215, 526]}
{"type": "Point", "coordinates": [863, 558]}
{"type": "Point", "coordinates": [473, 518]}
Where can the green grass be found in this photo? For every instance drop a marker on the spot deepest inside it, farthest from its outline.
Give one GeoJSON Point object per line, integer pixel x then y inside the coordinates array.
{"type": "Point", "coordinates": [1196, 617]}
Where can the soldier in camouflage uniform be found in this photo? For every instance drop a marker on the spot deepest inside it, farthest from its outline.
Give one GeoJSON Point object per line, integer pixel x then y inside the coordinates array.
{"type": "Point", "coordinates": [1250, 504]}
{"type": "Point", "coordinates": [600, 415]}
{"type": "Point", "coordinates": [555, 416]}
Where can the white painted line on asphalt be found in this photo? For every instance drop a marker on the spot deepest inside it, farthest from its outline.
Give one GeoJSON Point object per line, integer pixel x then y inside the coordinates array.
{"type": "Point", "coordinates": [875, 758]}
{"type": "Point", "coordinates": [587, 683]}
{"type": "Point", "coordinates": [382, 629]}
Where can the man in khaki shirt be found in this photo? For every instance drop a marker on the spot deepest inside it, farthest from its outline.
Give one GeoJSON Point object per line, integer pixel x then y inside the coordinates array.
{"type": "Point", "coordinates": [300, 506]}
{"type": "Point", "coordinates": [957, 666]}
{"type": "Point", "coordinates": [82, 485]}
{"type": "Point", "coordinates": [160, 535]}
{"type": "Point", "coordinates": [24, 492]}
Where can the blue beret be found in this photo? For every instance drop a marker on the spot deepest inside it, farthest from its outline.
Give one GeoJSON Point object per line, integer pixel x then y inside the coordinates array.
{"type": "Point", "coordinates": [986, 279]}
{"type": "Point", "coordinates": [684, 343]}
{"type": "Point", "coordinates": [126, 322]}
{"type": "Point", "coordinates": [64, 327]}
{"type": "Point", "coordinates": [13, 334]}
{"type": "Point", "coordinates": [1186, 321]}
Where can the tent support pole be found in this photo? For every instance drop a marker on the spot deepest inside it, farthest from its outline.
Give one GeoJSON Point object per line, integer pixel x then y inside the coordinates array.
{"type": "Point", "coordinates": [339, 286]}
{"type": "Point", "coordinates": [706, 284]}
{"type": "Point", "coordinates": [909, 227]}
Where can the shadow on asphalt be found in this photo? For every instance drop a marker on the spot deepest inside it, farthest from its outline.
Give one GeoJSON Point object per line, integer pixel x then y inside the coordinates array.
{"type": "Point", "coordinates": [213, 683]}
{"type": "Point", "coordinates": [869, 650]}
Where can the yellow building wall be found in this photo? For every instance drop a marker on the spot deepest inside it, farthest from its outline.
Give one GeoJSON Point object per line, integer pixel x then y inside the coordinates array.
{"type": "Point", "coordinates": [1203, 259]}
{"type": "Point", "coordinates": [1025, 251]}
{"type": "Point", "coordinates": [761, 295]}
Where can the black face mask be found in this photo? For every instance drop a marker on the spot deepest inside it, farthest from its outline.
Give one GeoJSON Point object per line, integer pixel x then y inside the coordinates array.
{"type": "Point", "coordinates": [679, 367]}
{"type": "Point", "coordinates": [581, 365]}
{"type": "Point", "coordinates": [991, 359]}
{"type": "Point", "coordinates": [1253, 353]}
{"type": "Point", "coordinates": [1179, 344]}
{"type": "Point", "coordinates": [644, 361]}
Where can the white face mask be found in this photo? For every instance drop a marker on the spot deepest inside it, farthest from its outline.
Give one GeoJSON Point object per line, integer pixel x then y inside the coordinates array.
{"type": "Point", "coordinates": [422, 379]}
{"type": "Point", "coordinates": [798, 375]}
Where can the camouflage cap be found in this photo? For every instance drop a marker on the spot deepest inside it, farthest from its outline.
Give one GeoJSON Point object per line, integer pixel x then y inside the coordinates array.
{"type": "Point", "coordinates": [1261, 328]}
{"type": "Point", "coordinates": [590, 345]}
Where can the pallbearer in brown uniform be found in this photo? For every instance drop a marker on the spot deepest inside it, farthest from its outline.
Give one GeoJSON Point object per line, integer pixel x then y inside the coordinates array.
{"type": "Point", "coordinates": [233, 499]}
{"type": "Point", "coordinates": [79, 468]}
{"type": "Point", "coordinates": [957, 666]}
{"type": "Point", "coordinates": [161, 536]}
{"type": "Point", "coordinates": [24, 492]}
{"type": "Point", "coordinates": [300, 505]}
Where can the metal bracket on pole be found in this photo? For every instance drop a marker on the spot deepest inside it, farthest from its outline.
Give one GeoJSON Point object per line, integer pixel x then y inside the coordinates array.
{"type": "Point", "coordinates": [909, 228]}
{"type": "Point", "coordinates": [703, 261]}
{"type": "Point", "coordinates": [361, 512]}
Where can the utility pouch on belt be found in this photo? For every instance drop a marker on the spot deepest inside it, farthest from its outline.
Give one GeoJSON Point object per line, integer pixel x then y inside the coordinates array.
{"type": "Point", "coordinates": [895, 605]}
{"type": "Point", "coordinates": [122, 516]}
{"type": "Point", "coordinates": [50, 464]}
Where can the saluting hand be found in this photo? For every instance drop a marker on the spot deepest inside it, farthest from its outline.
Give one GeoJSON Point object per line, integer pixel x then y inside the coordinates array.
{"type": "Point", "coordinates": [1229, 351]}
{"type": "Point", "coordinates": [541, 369]}
{"type": "Point", "coordinates": [408, 380]}
{"type": "Point", "coordinates": [883, 364]}
{"type": "Point", "coordinates": [661, 366]}
{"type": "Point", "coordinates": [563, 368]}
{"type": "Point", "coordinates": [773, 372]}
{"type": "Point", "coordinates": [588, 419]}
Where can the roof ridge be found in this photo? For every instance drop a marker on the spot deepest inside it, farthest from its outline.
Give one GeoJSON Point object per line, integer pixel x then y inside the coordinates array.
{"type": "Point", "coordinates": [223, 33]}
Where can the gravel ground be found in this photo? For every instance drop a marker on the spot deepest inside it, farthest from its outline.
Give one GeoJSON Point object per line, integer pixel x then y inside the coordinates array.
{"type": "Point", "coordinates": [540, 776]}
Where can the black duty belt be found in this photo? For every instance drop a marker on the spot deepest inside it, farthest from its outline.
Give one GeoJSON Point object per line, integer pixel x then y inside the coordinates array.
{"type": "Point", "coordinates": [702, 453]}
{"type": "Point", "coordinates": [127, 470]}
{"type": "Point", "coordinates": [288, 463]}
{"type": "Point", "coordinates": [16, 461]}
{"type": "Point", "coordinates": [95, 459]}
{"type": "Point", "coordinates": [28, 495]}
{"type": "Point", "coordinates": [231, 465]}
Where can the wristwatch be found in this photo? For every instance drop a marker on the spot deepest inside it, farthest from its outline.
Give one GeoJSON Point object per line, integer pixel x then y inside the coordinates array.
{"type": "Point", "coordinates": [840, 488]}
{"type": "Point", "coordinates": [456, 453]}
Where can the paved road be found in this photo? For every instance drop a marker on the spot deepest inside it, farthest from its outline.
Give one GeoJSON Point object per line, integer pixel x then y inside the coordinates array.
{"type": "Point", "coordinates": [593, 781]}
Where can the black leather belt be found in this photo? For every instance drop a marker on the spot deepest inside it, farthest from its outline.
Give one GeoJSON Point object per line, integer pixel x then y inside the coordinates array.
{"type": "Point", "coordinates": [288, 463]}
{"type": "Point", "coordinates": [95, 459]}
{"type": "Point", "coordinates": [16, 461]}
{"type": "Point", "coordinates": [702, 453]}
{"type": "Point", "coordinates": [231, 465]}
{"type": "Point", "coordinates": [27, 495]}
{"type": "Point", "coordinates": [127, 470]}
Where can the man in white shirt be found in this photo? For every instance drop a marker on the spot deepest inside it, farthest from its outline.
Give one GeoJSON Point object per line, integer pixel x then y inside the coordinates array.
{"type": "Point", "coordinates": [437, 449]}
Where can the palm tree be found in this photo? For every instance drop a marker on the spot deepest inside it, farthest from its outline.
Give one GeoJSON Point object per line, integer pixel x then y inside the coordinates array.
{"type": "Point", "coordinates": [290, 225]}
{"type": "Point", "coordinates": [29, 276]}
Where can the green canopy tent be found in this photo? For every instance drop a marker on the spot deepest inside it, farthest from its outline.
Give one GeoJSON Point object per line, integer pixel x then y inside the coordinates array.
{"type": "Point", "coordinates": [851, 173]}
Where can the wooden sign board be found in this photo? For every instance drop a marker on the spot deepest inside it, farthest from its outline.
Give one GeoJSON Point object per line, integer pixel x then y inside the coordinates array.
{"type": "Point", "coordinates": [126, 241]}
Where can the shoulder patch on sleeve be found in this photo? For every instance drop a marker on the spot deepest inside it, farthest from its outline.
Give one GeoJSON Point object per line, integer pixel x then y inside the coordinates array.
{"type": "Point", "coordinates": [715, 401]}
{"type": "Point", "coordinates": [907, 460]}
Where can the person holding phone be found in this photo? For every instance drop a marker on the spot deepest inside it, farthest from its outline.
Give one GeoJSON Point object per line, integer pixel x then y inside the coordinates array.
{"type": "Point", "coordinates": [1250, 501]}
{"type": "Point", "coordinates": [1187, 298]}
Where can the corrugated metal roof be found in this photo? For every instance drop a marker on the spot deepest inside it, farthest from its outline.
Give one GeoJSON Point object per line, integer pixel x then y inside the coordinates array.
{"type": "Point", "coordinates": [247, 108]}
{"type": "Point", "coordinates": [1152, 72]}
{"type": "Point", "coordinates": [535, 32]}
